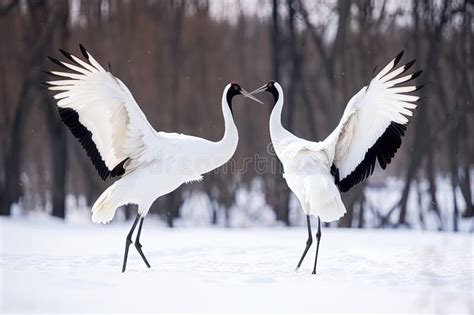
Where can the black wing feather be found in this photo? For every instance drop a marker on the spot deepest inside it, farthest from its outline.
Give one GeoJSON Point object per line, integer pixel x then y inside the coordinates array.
{"type": "Point", "coordinates": [383, 150]}
{"type": "Point", "coordinates": [71, 119]}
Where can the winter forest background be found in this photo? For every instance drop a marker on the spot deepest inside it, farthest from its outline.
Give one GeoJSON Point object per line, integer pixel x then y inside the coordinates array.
{"type": "Point", "coordinates": [177, 56]}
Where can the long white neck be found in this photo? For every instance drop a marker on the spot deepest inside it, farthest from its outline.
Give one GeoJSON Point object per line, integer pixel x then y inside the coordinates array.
{"type": "Point", "coordinates": [277, 131]}
{"type": "Point", "coordinates": [225, 148]}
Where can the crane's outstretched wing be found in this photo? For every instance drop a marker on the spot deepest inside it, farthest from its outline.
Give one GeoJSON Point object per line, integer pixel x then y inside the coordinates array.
{"type": "Point", "coordinates": [102, 114]}
{"type": "Point", "coordinates": [373, 124]}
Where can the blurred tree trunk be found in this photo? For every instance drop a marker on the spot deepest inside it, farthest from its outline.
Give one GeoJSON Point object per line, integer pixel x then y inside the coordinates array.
{"type": "Point", "coordinates": [431, 172]}
{"type": "Point", "coordinates": [173, 199]}
{"type": "Point", "coordinates": [309, 107]}
{"type": "Point", "coordinates": [351, 201]}
{"type": "Point", "coordinates": [361, 221]}
{"type": "Point", "coordinates": [465, 67]}
{"type": "Point", "coordinates": [420, 195]}
{"type": "Point", "coordinates": [58, 159]}
{"type": "Point", "coordinates": [465, 186]}
{"type": "Point", "coordinates": [431, 176]}
{"type": "Point", "coordinates": [178, 9]}
{"type": "Point", "coordinates": [128, 211]}
{"type": "Point", "coordinates": [454, 137]}
{"type": "Point", "coordinates": [3, 129]}
{"type": "Point", "coordinates": [275, 33]}
{"type": "Point", "coordinates": [13, 155]}
{"type": "Point", "coordinates": [212, 192]}
{"type": "Point", "coordinates": [172, 204]}
{"type": "Point", "coordinates": [56, 129]}
{"type": "Point", "coordinates": [295, 58]}
{"type": "Point", "coordinates": [93, 185]}
{"type": "Point", "coordinates": [454, 185]}
{"type": "Point", "coordinates": [422, 127]}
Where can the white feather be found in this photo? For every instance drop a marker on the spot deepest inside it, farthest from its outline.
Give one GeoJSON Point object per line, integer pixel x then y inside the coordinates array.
{"type": "Point", "coordinates": [367, 116]}
{"type": "Point", "coordinates": [156, 162]}
{"type": "Point", "coordinates": [372, 112]}
{"type": "Point", "coordinates": [398, 81]}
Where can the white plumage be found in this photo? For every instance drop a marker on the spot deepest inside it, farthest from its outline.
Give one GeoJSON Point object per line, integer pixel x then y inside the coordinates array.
{"type": "Point", "coordinates": [370, 129]}
{"type": "Point", "coordinates": [101, 112]}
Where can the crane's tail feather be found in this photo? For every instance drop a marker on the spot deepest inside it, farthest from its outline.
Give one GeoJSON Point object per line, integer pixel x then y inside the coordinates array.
{"type": "Point", "coordinates": [105, 207]}
{"type": "Point", "coordinates": [323, 199]}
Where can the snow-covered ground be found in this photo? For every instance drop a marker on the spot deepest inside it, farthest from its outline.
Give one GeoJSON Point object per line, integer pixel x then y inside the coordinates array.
{"type": "Point", "coordinates": [55, 267]}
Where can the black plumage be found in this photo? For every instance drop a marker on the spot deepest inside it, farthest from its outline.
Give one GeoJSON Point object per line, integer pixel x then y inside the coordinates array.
{"type": "Point", "coordinates": [71, 119]}
{"type": "Point", "coordinates": [383, 150]}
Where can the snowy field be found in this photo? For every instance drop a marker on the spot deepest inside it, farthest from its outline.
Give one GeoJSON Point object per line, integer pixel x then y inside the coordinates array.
{"type": "Point", "coordinates": [54, 267]}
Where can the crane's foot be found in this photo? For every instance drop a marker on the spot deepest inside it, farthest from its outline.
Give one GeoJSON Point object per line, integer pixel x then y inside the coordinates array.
{"type": "Point", "coordinates": [318, 239]}
{"type": "Point", "coordinates": [138, 246]}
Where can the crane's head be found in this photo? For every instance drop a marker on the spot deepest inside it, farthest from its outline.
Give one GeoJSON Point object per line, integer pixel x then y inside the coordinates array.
{"type": "Point", "coordinates": [271, 87]}
{"type": "Point", "coordinates": [234, 89]}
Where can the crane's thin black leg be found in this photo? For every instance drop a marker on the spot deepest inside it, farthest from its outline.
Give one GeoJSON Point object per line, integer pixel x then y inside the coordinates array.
{"type": "Point", "coordinates": [318, 238]}
{"type": "Point", "coordinates": [308, 242]}
{"type": "Point", "coordinates": [138, 246]}
{"type": "Point", "coordinates": [128, 241]}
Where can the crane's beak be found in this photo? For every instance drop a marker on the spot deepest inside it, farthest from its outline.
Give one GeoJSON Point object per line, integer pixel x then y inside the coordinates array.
{"type": "Point", "coordinates": [259, 90]}
{"type": "Point", "coordinates": [249, 95]}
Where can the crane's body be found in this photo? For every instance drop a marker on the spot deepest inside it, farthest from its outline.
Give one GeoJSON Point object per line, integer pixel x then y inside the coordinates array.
{"type": "Point", "coordinates": [177, 159]}
{"type": "Point", "coordinates": [307, 169]}
{"type": "Point", "coordinates": [371, 128]}
{"type": "Point", "coordinates": [102, 114]}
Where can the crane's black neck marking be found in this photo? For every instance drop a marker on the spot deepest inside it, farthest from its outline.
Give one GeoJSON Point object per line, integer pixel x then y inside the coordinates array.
{"type": "Point", "coordinates": [273, 90]}
{"type": "Point", "coordinates": [233, 91]}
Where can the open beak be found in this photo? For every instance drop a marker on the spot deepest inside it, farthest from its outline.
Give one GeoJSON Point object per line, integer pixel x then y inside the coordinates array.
{"type": "Point", "coordinates": [259, 90]}
{"type": "Point", "coordinates": [249, 95]}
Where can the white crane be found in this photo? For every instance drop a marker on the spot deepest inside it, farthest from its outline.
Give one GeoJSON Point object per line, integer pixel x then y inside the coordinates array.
{"type": "Point", "coordinates": [102, 114]}
{"type": "Point", "coordinates": [371, 128]}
